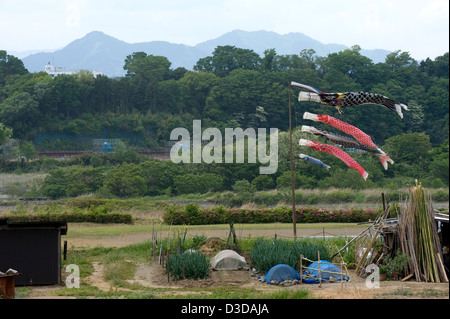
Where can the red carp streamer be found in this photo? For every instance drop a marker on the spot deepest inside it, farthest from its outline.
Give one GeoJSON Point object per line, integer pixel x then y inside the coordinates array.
{"type": "Point", "coordinates": [333, 150]}
{"type": "Point", "coordinates": [351, 130]}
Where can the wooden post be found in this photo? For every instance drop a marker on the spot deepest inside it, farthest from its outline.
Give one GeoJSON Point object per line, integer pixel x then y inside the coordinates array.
{"type": "Point", "coordinates": [292, 168]}
{"type": "Point", "coordinates": [65, 249]}
{"type": "Point", "coordinates": [342, 278]}
{"type": "Point", "coordinates": [301, 269]}
{"type": "Point", "coordinates": [320, 273]}
{"type": "Point", "coordinates": [153, 238]}
{"type": "Point", "coordinates": [168, 266]}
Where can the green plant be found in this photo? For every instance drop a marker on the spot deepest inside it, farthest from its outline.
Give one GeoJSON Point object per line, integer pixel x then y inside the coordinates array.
{"type": "Point", "coordinates": [191, 215]}
{"type": "Point", "coordinates": [383, 269]}
{"type": "Point", "coordinates": [263, 182]}
{"type": "Point", "coordinates": [266, 253]}
{"type": "Point", "coordinates": [399, 264]}
{"type": "Point", "coordinates": [189, 265]}
{"type": "Point", "coordinates": [243, 187]}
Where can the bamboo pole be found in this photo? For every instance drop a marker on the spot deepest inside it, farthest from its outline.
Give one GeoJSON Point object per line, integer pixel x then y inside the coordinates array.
{"type": "Point", "coordinates": [320, 273]}
{"type": "Point", "coordinates": [301, 269]}
{"type": "Point", "coordinates": [294, 225]}
{"type": "Point", "coordinates": [351, 241]}
{"type": "Point", "coordinates": [380, 224]}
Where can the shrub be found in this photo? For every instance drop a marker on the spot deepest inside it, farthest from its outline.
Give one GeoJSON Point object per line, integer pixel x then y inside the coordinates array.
{"type": "Point", "coordinates": [75, 217]}
{"type": "Point", "coordinates": [72, 181]}
{"type": "Point", "coordinates": [193, 216]}
{"type": "Point", "coordinates": [243, 187]}
{"type": "Point", "coordinates": [194, 183]}
{"type": "Point", "coordinates": [189, 265]}
{"type": "Point", "coordinates": [265, 253]}
{"type": "Point", "coordinates": [126, 180]}
{"type": "Point", "coordinates": [263, 182]}
{"type": "Point", "coordinates": [340, 197]}
{"type": "Point", "coordinates": [440, 196]}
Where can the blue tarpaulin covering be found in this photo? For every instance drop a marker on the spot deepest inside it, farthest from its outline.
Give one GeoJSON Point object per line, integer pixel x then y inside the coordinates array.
{"type": "Point", "coordinates": [311, 275]}
{"type": "Point", "coordinates": [281, 273]}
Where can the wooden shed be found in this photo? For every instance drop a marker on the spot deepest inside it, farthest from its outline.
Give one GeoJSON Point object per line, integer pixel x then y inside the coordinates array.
{"type": "Point", "coordinates": [33, 249]}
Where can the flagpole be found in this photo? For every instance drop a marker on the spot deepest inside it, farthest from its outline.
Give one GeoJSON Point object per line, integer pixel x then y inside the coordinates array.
{"type": "Point", "coordinates": [292, 167]}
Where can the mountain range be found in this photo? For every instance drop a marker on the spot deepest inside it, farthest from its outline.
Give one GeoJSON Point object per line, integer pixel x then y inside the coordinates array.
{"type": "Point", "coordinates": [97, 51]}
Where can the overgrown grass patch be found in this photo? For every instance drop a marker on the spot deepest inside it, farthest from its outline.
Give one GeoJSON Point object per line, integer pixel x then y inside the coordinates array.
{"type": "Point", "coordinates": [118, 271]}
{"type": "Point", "coordinates": [237, 293]}
{"type": "Point", "coordinates": [266, 254]}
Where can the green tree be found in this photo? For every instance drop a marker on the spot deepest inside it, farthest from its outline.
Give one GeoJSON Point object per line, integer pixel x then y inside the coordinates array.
{"type": "Point", "coordinates": [20, 112]}
{"type": "Point", "coordinates": [227, 58]}
{"type": "Point", "coordinates": [10, 65]}
{"type": "Point", "coordinates": [72, 181]}
{"type": "Point", "coordinates": [268, 61]}
{"type": "Point", "coordinates": [236, 96]}
{"type": "Point", "coordinates": [64, 97]}
{"type": "Point", "coordinates": [145, 72]}
{"type": "Point", "coordinates": [195, 88]}
{"type": "Point", "coordinates": [439, 167]}
{"type": "Point", "coordinates": [351, 63]}
{"type": "Point", "coordinates": [125, 180]}
{"type": "Point", "coordinates": [263, 182]}
{"type": "Point", "coordinates": [415, 117]}
{"type": "Point", "coordinates": [5, 134]}
{"type": "Point", "coordinates": [409, 147]}
{"type": "Point", "coordinates": [28, 150]}
{"type": "Point", "coordinates": [197, 183]}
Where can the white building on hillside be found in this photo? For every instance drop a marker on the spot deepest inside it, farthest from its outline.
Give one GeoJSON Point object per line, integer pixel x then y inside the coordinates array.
{"type": "Point", "coordinates": [57, 70]}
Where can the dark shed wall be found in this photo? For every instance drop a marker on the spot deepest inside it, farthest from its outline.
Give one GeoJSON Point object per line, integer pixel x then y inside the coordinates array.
{"type": "Point", "coordinates": [34, 253]}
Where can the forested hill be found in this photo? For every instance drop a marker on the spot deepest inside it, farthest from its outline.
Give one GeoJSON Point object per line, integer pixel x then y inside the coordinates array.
{"type": "Point", "coordinates": [104, 53]}
{"type": "Point", "coordinates": [233, 87]}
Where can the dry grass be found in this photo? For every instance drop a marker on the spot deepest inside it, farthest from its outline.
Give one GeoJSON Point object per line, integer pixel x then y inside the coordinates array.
{"type": "Point", "coordinates": [22, 180]}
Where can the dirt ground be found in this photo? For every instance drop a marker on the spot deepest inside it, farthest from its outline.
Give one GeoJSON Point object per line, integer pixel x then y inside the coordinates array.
{"type": "Point", "coordinates": [152, 275]}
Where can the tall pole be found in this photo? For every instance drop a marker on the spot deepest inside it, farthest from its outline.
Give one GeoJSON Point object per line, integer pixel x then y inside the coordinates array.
{"type": "Point", "coordinates": [292, 167]}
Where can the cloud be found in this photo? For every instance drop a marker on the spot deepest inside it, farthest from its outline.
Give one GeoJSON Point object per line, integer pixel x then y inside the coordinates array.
{"type": "Point", "coordinates": [407, 25]}
{"type": "Point", "coordinates": [72, 14]}
{"type": "Point", "coordinates": [438, 9]}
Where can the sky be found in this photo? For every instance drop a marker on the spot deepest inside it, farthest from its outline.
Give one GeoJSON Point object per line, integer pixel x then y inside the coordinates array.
{"type": "Point", "coordinates": [415, 26]}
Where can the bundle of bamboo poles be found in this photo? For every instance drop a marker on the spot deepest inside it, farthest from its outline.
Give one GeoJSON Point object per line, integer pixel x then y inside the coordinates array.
{"type": "Point", "coordinates": [418, 237]}
{"type": "Point", "coordinates": [370, 255]}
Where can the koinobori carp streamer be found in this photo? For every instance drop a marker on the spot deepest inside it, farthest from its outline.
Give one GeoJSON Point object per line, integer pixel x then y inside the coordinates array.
{"type": "Point", "coordinates": [314, 161]}
{"type": "Point", "coordinates": [351, 130]}
{"type": "Point", "coordinates": [341, 140]}
{"type": "Point", "coordinates": [333, 150]}
{"type": "Point", "coordinates": [348, 99]}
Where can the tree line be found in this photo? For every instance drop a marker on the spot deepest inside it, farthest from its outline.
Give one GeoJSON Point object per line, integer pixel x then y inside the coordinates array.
{"type": "Point", "coordinates": [233, 88]}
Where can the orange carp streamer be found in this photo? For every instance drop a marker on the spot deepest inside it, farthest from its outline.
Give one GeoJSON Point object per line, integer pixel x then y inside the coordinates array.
{"type": "Point", "coordinates": [333, 150]}
{"type": "Point", "coordinates": [351, 130]}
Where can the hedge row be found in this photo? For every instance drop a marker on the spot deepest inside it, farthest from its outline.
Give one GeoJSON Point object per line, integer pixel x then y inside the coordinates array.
{"type": "Point", "coordinates": [74, 217]}
{"type": "Point", "coordinates": [191, 214]}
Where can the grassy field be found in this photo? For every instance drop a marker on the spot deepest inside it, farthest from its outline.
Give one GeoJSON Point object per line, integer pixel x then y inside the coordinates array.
{"type": "Point", "coordinates": [23, 180]}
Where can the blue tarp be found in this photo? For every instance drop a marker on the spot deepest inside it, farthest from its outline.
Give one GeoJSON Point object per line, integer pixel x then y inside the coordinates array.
{"type": "Point", "coordinates": [281, 273]}
{"type": "Point", "coordinates": [313, 271]}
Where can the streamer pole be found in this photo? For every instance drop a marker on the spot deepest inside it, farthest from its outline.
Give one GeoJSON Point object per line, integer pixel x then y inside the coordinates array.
{"type": "Point", "coordinates": [292, 167]}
